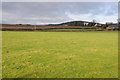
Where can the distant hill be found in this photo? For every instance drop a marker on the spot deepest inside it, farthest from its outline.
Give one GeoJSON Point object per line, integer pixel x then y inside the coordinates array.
{"type": "Point", "coordinates": [75, 23]}
{"type": "Point", "coordinates": [70, 23]}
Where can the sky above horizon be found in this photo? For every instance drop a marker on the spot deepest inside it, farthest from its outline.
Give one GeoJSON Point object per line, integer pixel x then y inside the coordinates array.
{"type": "Point", "coordinates": [58, 12]}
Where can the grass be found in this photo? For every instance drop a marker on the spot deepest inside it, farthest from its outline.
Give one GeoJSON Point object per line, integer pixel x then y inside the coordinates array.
{"type": "Point", "coordinates": [60, 54]}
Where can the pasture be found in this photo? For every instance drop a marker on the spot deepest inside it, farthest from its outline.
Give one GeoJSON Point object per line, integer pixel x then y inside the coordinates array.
{"type": "Point", "coordinates": [60, 54]}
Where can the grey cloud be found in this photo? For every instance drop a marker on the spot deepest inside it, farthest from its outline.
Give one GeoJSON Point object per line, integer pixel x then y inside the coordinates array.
{"type": "Point", "coordinates": [50, 12]}
{"type": "Point", "coordinates": [41, 20]}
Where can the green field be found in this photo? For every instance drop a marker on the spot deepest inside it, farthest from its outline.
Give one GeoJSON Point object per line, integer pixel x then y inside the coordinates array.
{"type": "Point", "coordinates": [60, 54]}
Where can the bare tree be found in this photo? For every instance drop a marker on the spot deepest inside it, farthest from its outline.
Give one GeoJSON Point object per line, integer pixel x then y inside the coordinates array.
{"type": "Point", "coordinates": [94, 21]}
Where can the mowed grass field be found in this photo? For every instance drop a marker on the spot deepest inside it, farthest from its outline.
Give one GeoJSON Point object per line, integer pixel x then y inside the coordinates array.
{"type": "Point", "coordinates": [60, 54]}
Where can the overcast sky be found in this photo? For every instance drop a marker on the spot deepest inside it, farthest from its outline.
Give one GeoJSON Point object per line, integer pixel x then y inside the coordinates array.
{"type": "Point", "coordinates": [58, 12]}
